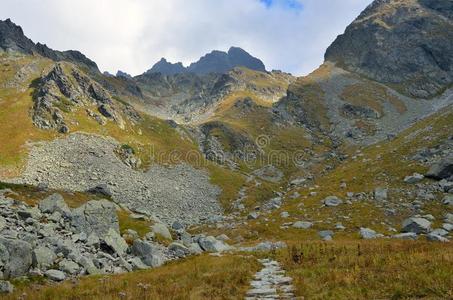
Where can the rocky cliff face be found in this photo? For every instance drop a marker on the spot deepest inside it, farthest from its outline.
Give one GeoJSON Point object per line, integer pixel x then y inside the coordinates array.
{"type": "Point", "coordinates": [12, 39]}
{"type": "Point", "coordinates": [405, 43]}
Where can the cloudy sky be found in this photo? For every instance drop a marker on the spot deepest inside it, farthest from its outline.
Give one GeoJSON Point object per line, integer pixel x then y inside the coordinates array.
{"type": "Point", "coordinates": [132, 35]}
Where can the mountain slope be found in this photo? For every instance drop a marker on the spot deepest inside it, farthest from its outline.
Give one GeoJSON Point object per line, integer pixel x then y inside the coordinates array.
{"type": "Point", "coordinates": [403, 43]}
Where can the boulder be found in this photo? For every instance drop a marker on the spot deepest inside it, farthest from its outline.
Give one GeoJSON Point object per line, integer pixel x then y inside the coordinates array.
{"type": "Point", "coordinates": [162, 230]}
{"type": "Point", "coordinates": [332, 201]}
{"type": "Point", "coordinates": [6, 287]}
{"type": "Point", "coordinates": [414, 178]}
{"type": "Point", "coordinates": [194, 248]}
{"type": "Point", "coordinates": [137, 264]}
{"type": "Point", "coordinates": [448, 218]}
{"type": "Point", "coordinates": [284, 215]}
{"type": "Point", "coordinates": [448, 227]}
{"type": "Point", "coordinates": [54, 203]}
{"type": "Point", "coordinates": [112, 242]}
{"type": "Point", "coordinates": [16, 257]}
{"type": "Point", "coordinates": [68, 266]}
{"type": "Point", "coordinates": [405, 236]}
{"type": "Point", "coordinates": [148, 253]}
{"type": "Point", "coordinates": [448, 200]}
{"type": "Point", "coordinates": [416, 225]}
{"type": "Point", "coordinates": [55, 275]}
{"type": "Point", "coordinates": [211, 244]}
{"type": "Point", "coordinates": [380, 194]}
{"type": "Point", "coordinates": [29, 212]}
{"type": "Point", "coordinates": [368, 234]}
{"type": "Point", "coordinates": [178, 249]}
{"type": "Point", "coordinates": [442, 169]}
{"type": "Point", "coordinates": [302, 225]}
{"type": "Point", "coordinates": [326, 234]}
{"type": "Point", "coordinates": [436, 238]}
{"type": "Point", "coordinates": [95, 216]}
{"type": "Point", "coordinates": [439, 231]}
{"type": "Point", "coordinates": [43, 257]}
{"type": "Point", "coordinates": [177, 226]}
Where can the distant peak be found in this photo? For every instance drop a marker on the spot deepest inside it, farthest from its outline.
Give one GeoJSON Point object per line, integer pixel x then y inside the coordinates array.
{"type": "Point", "coordinates": [215, 61]}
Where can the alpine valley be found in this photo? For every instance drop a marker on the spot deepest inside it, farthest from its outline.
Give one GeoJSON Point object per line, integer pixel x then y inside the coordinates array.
{"type": "Point", "coordinates": [224, 180]}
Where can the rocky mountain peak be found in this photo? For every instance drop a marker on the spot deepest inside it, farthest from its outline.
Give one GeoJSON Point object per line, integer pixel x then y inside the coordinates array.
{"type": "Point", "coordinates": [166, 68]}
{"type": "Point", "coordinates": [13, 39]}
{"type": "Point", "coordinates": [213, 62]}
{"type": "Point", "coordinates": [403, 43]}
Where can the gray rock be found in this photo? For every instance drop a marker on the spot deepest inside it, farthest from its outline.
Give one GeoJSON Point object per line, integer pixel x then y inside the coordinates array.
{"type": "Point", "coordinates": [178, 249]}
{"type": "Point", "coordinates": [448, 218]}
{"type": "Point", "coordinates": [211, 244]}
{"type": "Point", "coordinates": [55, 217]}
{"type": "Point", "coordinates": [93, 240]}
{"type": "Point", "coordinates": [162, 230]}
{"type": "Point", "coordinates": [6, 287]}
{"type": "Point", "coordinates": [29, 212]}
{"type": "Point", "coordinates": [436, 238]}
{"type": "Point", "coordinates": [414, 178]}
{"type": "Point", "coordinates": [447, 227]}
{"type": "Point", "coordinates": [2, 223]}
{"type": "Point", "coordinates": [253, 215]}
{"type": "Point", "coordinates": [54, 203]}
{"type": "Point", "coordinates": [68, 266]}
{"type": "Point", "coordinates": [137, 264]}
{"type": "Point", "coordinates": [405, 236]}
{"type": "Point", "coordinates": [332, 201]}
{"type": "Point", "coordinates": [448, 200]}
{"type": "Point", "coordinates": [114, 242]}
{"type": "Point", "coordinates": [95, 216]}
{"type": "Point", "coordinates": [19, 255]}
{"type": "Point", "coordinates": [55, 275]}
{"type": "Point", "coordinates": [416, 225]}
{"type": "Point", "coordinates": [177, 226]}
{"type": "Point", "coordinates": [223, 237]}
{"type": "Point", "coordinates": [442, 170]}
{"type": "Point", "coordinates": [101, 189]}
{"type": "Point", "coordinates": [368, 234]}
{"type": "Point", "coordinates": [284, 215]}
{"type": "Point", "coordinates": [148, 253]}
{"type": "Point", "coordinates": [339, 226]}
{"type": "Point", "coordinates": [302, 225]}
{"type": "Point", "coordinates": [380, 194]}
{"type": "Point", "coordinates": [325, 234]}
{"type": "Point", "coordinates": [43, 258]}
{"type": "Point", "coordinates": [194, 248]}
{"type": "Point", "coordinates": [439, 231]}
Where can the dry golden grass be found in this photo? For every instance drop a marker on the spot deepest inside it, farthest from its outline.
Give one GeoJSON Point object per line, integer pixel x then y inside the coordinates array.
{"type": "Point", "coordinates": [370, 269]}
{"type": "Point", "coordinates": [201, 277]}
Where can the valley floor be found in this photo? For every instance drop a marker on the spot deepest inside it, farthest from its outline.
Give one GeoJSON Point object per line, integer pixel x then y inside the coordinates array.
{"type": "Point", "coordinates": [320, 270]}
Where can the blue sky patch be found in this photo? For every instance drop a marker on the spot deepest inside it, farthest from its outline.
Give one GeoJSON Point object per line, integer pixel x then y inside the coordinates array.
{"type": "Point", "coordinates": [290, 4]}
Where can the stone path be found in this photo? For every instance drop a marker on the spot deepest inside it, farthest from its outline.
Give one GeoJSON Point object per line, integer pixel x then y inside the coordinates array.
{"type": "Point", "coordinates": [271, 283]}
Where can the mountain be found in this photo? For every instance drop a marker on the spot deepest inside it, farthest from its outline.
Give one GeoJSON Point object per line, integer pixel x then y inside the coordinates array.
{"type": "Point", "coordinates": [214, 62]}
{"type": "Point", "coordinates": [322, 178]}
{"type": "Point", "coordinates": [406, 44]}
{"type": "Point", "coordinates": [166, 68]}
{"type": "Point", "coordinates": [12, 39]}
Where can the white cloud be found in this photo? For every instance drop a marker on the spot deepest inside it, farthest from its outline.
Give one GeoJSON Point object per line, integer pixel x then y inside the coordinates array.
{"type": "Point", "coordinates": [132, 35]}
